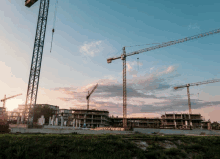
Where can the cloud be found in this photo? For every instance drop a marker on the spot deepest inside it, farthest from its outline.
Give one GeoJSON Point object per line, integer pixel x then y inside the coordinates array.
{"type": "Point", "coordinates": [155, 81]}
{"type": "Point", "coordinates": [109, 92]}
{"type": "Point", "coordinates": [91, 48]}
{"type": "Point", "coordinates": [193, 26]}
{"type": "Point", "coordinates": [130, 66]}
{"type": "Point", "coordinates": [146, 101]}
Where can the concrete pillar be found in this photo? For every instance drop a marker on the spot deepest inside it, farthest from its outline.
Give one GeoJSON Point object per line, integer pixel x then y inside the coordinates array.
{"type": "Point", "coordinates": [84, 121]}
{"type": "Point", "coordinates": [175, 123]}
{"type": "Point", "coordinates": [43, 120]}
{"type": "Point", "coordinates": [53, 120]}
{"type": "Point", "coordinates": [79, 123]}
{"type": "Point", "coordinates": [61, 121]}
{"type": "Point", "coordinates": [209, 126]}
{"type": "Point", "coordinates": [186, 122]}
{"type": "Point", "coordinates": [74, 122]}
{"type": "Point", "coordinates": [56, 122]}
{"type": "Point", "coordinates": [18, 120]}
{"type": "Point", "coordinates": [49, 120]}
{"type": "Point", "coordinates": [22, 118]}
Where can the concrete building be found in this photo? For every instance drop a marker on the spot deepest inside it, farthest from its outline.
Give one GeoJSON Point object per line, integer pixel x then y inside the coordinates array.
{"type": "Point", "coordinates": [136, 122]}
{"type": "Point", "coordinates": [206, 125]}
{"type": "Point", "coordinates": [2, 110]}
{"type": "Point", "coordinates": [179, 121]}
{"type": "Point", "coordinates": [215, 125]}
{"type": "Point", "coordinates": [12, 115]}
{"type": "Point", "coordinates": [89, 118]}
{"type": "Point", "coordinates": [66, 114]}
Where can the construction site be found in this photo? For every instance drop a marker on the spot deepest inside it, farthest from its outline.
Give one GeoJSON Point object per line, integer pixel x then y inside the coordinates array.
{"type": "Point", "coordinates": [74, 119]}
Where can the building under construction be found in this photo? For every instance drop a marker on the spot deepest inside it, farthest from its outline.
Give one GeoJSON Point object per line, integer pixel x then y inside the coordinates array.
{"type": "Point", "coordinates": [181, 121]}
{"type": "Point", "coordinates": [100, 118]}
{"type": "Point", "coordinates": [136, 122]}
{"type": "Point", "coordinates": [19, 112]}
{"type": "Point", "coordinates": [89, 118]}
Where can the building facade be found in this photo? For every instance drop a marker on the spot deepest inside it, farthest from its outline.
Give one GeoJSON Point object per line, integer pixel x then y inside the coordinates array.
{"type": "Point", "coordinates": [12, 115]}
{"type": "Point", "coordinates": [181, 121]}
{"type": "Point", "coordinates": [89, 118]}
{"type": "Point", "coordinates": [136, 122]}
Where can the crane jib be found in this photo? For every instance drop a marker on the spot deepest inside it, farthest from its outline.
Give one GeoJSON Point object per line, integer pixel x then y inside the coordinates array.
{"type": "Point", "coordinates": [149, 49]}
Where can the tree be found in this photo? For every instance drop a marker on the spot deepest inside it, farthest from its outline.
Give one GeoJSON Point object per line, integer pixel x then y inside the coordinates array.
{"type": "Point", "coordinates": [44, 110]}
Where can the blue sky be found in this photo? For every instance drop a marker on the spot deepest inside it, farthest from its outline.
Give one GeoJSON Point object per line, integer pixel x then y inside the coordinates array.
{"type": "Point", "coordinates": [89, 32]}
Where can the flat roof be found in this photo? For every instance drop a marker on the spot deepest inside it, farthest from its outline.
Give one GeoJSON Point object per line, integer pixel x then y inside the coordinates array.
{"type": "Point", "coordinates": [135, 118]}
{"type": "Point", "coordinates": [90, 110]}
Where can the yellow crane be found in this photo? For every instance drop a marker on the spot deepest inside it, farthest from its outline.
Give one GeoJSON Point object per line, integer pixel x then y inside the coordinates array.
{"type": "Point", "coordinates": [124, 55]}
{"type": "Point", "coordinates": [194, 84]}
{"type": "Point", "coordinates": [4, 99]}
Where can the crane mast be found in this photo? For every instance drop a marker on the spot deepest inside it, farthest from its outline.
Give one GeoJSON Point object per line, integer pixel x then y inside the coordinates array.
{"type": "Point", "coordinates": [194, 84]}
{"type": "Point", "coordinates": [89, 94]}
{"type": "Point", "coordinates": [34, 77]}
{"type": "Point", "coordinates": [124, 55]}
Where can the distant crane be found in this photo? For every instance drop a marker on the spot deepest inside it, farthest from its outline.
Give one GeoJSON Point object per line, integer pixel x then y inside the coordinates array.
{"type": "Point", "coordinates": [34, 77]}
{"type": "Point", "coordinates": [124, 55]}
{"type": "Point", "coordinates": [89, 94]}
{"type": "Point", "coordinates": [4, 99]}
{"type": "Point", "coordinates": [194, 84]}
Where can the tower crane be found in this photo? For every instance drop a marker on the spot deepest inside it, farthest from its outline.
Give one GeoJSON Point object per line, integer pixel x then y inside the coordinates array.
{"type": "Point", "coordinates": [194, 84]}
{"type": "Point", "coordinates": [33, 83]}
{"type": "Point", "coordinates": [89, 94]}
{"type": "Point", "coordinates": [124, 55]}
{"type": "Point", "coordinates": [4, 99]}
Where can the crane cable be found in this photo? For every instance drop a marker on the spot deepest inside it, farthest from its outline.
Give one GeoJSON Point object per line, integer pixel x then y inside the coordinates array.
{"type": "Point", "coordinates": [54, 21]}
